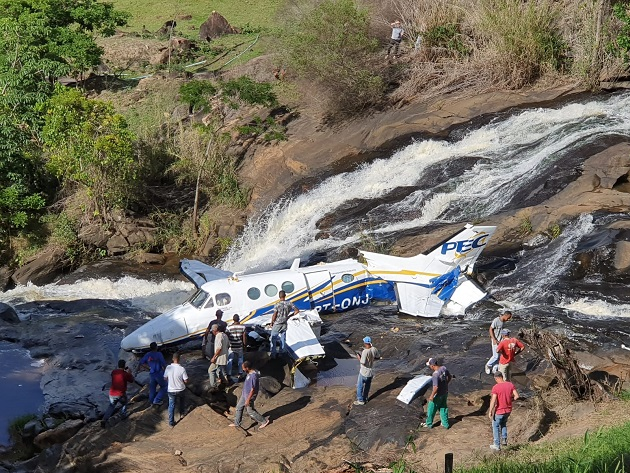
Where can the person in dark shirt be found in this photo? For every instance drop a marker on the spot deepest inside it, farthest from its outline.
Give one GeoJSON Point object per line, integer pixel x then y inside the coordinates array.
{"type": "Point", "coordinates": [283, 311]}
{"type": "Point", "coordinates": [208, 336]}
{"type": "Point", "coordinates": [118, 391]}
{"type": "Point", "coordinates": [154, 361]}
{"type": "Point", "coordinates": [437, 399]}
{"type": "Point", "coordinates": [248, 396]}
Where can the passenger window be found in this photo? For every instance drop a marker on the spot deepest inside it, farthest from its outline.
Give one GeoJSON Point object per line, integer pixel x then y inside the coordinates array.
{"type": "Point", "coordinates": [209, 303]}
{"type": "Point", "coordinates": [288, 287]}
{"type": "Point", "coordinates": [223, 299]}
{"type": "Point", "coordinates": [271, 290]}
{"type": "Point", "coordinates": [347, 278]}
{"type": "Point", "coordinates": [253, 293]}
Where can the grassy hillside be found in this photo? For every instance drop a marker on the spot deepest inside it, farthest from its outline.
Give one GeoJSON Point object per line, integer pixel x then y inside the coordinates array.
{"type": "Point", "coordinates": [153, 13]}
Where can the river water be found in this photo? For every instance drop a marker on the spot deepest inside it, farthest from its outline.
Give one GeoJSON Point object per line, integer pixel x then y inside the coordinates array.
{"type": "Point", "coordinates": [513, 161]}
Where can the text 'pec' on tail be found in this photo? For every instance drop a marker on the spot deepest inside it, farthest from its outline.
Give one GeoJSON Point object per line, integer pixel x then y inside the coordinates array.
{"type": "Point", "coordinates": [464, 248]}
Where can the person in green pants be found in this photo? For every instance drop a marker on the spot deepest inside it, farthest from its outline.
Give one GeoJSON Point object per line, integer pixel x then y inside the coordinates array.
{"type": "Point", "coordinates": [437, 399]}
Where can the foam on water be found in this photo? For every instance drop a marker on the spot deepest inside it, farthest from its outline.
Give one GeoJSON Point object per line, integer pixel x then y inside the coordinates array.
{"type": "Point", "coordinates": [512, 152]}
{"type": "Point", "coordinates": [138, 293]}
{"type": "Point", "coordinates": [597, 308]}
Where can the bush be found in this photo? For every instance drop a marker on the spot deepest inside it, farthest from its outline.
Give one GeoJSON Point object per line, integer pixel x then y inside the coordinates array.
{"type": "Point", "coordinates": [196, 94]}
{"type": "Point", "coordinates": [245, 89]}
{"type": "Point", "coordinates": [448, 37]}
{"type": "Point", "coordinates": [330, 44]}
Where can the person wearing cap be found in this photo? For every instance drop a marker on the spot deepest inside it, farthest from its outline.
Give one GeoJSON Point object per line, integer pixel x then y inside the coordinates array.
{"type": "Point", "coordinates": [437, 399]}
{"type": "Point", "coordinates": [207, 341]}
{"type": "Point", "coordinates": [217, 371]}
{"type": "Point", "coordinates": [503, 393]}
{"type": "Point", "coordinates": [495, 336]}
{"type": "Point", "coordinates": [396, 38]}
{"type": "Point", "coordinates": [507, 349]}
{"type": "Point", "coordinates": [366, 372]}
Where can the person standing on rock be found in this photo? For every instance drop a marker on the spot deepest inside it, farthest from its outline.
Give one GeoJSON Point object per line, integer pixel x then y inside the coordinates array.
{"type": "Point", "coordinates": [396, 38]}
{"type": "Point", "coordinates": [495, 335]}
{"type": "Point", "coordinates": [248, 396]}
{"type": "Point", "coordinates": [177, 379]}
{"type": "Point", "coordinates": [438, 398]}
{"type": "Point", "coordinates": [281, 315]}
{"type": "Point", "coordinates": [366, 371]}
{"type": "Point", "coordinates": [503, 393]}
{"type": "Point", "coordinates": [238, 344]}
{"type": "Point", "coordinates": [507, 349]}
{"type": "Point", "coordinates": [207, 341]}
{"type": "Point", "coordinates": [218, 363]}
{"type": "Point", "coordinates": [118, 391]}
{"type": "Point", "coordinates": [155, 362]}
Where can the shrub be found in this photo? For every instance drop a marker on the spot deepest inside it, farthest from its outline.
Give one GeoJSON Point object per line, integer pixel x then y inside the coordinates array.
{"type": "Point", "coordinates": [331, 45]}
{"type": "Point", "coordinates": [245, 89]}
{"type": "Point", "coordinates": [446, 36]}
{"type": "Point", "coordinates": [196, 93]}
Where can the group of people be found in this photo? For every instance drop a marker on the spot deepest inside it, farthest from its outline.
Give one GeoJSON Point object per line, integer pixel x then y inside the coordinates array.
{"type": "Point", "coordinates": [504, 351]}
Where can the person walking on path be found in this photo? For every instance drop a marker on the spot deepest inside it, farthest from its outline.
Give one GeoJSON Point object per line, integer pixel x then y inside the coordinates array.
{"type": "Point", "coordinates": [503, 393]}
{"type": "Point", "coordinates": [118, 391]}
{"type": "Point", "coordinates": [396, 38]}
{"type": "Point", "coordinates": [154, 361]}
{"type": "Point", "coordinates": [207, 340]}
{"type": "Point", "coordinates": [248, 396]}
{"type": "Point", "coordinates": [218, 363]}
{"type": "Point", "coordinates": [177, 379]}
{"type": "Point", "coordinates": [438, 398]}
{"type": "Point", "coordinates": [495, 335]}
{"type": "Point", "coordinates": [281, 314]}
{"type": "Point", "coordinates": [366, 372]}
{"type": "Point", "coordinates": [238, 344]}
{"type": "Point", "coordinates": [507, 349]}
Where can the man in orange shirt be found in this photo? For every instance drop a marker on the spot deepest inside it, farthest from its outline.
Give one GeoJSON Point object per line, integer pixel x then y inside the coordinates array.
{"type": "Point", "coordinates": [118, 391]}
{"type": "Point", "coordinates": [507, 349]}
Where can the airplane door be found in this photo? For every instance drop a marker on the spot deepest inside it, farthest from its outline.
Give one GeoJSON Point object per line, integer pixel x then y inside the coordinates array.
{"type": "Point", "coordinates": [320, 290]}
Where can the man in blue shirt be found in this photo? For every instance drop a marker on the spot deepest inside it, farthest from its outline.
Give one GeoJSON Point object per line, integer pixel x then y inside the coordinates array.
{"type": "Point", "coordinates": [248, 396]}
{"type": "Point", "coordinates": [437, 399]}
{"type": "Point", "coordinates": [154, 361]}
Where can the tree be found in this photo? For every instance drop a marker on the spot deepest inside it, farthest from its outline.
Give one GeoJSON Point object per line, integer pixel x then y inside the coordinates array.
{"type": "Point", "coordinates": [88, 144]}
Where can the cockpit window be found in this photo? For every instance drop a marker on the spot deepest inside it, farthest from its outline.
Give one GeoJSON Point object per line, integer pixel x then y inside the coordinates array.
{"type": "Point", "coordinates": [210, 303]}
{"type": "Point", "coordinates": [198, 298]}
{"type": "Point", "coordinates": [223, 299]}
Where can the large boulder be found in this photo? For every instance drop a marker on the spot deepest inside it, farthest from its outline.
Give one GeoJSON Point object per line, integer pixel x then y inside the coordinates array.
{"type": "Point", "coordinates": [41, 269]}
{"type": "Point", "coordinates": [117, 245]}
{"type": "Point", "coordinates": [59, 434]}
{"type": "Point", "coordinates": [95, 235]}
{"type": "Point", "coordinates": [215, 26]}
{"type": "Point", "coordinates": [8, 314]}
{"type": "Point", "coordinates": [622, 255]}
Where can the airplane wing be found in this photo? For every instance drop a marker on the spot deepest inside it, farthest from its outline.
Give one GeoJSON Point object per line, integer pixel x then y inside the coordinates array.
{"type": "Point", "coordinates": [200, 273]}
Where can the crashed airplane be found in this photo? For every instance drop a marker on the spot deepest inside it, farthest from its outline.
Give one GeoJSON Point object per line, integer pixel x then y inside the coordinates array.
{"type": "Point", "coordinates": [420, 285]}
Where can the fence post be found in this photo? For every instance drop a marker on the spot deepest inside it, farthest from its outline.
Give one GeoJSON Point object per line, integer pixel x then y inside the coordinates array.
{"type": "Point", "coordinates": [448, 463]}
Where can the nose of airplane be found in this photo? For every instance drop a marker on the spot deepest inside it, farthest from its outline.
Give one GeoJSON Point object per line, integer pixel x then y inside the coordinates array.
{"type": "Point", "coordinates": [136, 340]}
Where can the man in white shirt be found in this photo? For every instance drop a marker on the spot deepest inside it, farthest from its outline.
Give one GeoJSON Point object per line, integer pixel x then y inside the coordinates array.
{"type": "Point", "coordinates": [396, 39]}
{"type": "Point", "coordinates": [366, 371]}
{"type": "Point", "coordinates": [177, 379]}
{"type": "Point", "coordinates": [495, 336]}
{"type": "Point", "coordinates": [217, 371]}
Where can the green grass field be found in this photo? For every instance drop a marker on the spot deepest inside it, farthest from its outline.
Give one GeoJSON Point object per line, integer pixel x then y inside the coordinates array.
{"type": "Point", "coordinates": [153, 13]}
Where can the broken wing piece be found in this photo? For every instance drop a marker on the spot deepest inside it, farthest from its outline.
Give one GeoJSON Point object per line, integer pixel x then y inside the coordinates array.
{"type": "Point", "coordinates": [199, 273]}
{"type": "Point", "coordinates": [301, 340]}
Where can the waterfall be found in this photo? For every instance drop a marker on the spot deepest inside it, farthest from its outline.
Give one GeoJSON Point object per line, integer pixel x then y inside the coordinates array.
{"type": "Point", "coordinates": [510, 154]}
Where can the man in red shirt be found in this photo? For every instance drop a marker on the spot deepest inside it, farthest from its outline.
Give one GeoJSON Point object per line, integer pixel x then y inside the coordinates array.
{"type": "Point", "coordinates": [507, 349]}
{"type": "Point", "coordinates": [503, 393]}
{"type": "Point", "coordinates": [118, 391]}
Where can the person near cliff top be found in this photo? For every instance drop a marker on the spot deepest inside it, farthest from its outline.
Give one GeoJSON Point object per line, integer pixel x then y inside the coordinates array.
{"type": "Point", "coordinates": [154, 361]}
{"type": "Point", "coordinates": [238, 344]}
{"type": "Point", "coordinates": [118, 391]}
{"type": "Point", "coordinates": [366, 371]}
{"type": "Point", "coordinates": [495, 335]}
{"type": "Point", "coordinates": [396, 38]}
{"type": "Point", "coordinates": [248, 396]}
{"type": "Point", "coordinates": [177, 379]}
{"type": "Point", "coordinates": [218, 363]}
{"type": "Point", "coordinates": [281, 315]}
{"type": "Point", "coordinates": [507, 349]}
{"type": "Point", "coordinates": [503, 393]}
{"type": "Point", "coordinates": [438, 398]}
{"type": "Point", "coordinates": [207, 340]}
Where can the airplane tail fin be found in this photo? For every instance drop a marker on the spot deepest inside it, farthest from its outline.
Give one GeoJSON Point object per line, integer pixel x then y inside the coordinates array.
{"type": "Point", "coordinates": [464, 248]}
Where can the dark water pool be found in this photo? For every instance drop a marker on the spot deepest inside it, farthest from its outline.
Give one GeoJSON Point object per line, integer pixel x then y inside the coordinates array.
{"type": "Point", "coordinates": [20, 393]}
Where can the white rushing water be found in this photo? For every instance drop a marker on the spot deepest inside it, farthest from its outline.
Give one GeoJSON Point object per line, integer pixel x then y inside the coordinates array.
{"type": "Point", "coordinates": [138, 293]}
{"type": "Point", "coordinates": [511, 154]}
